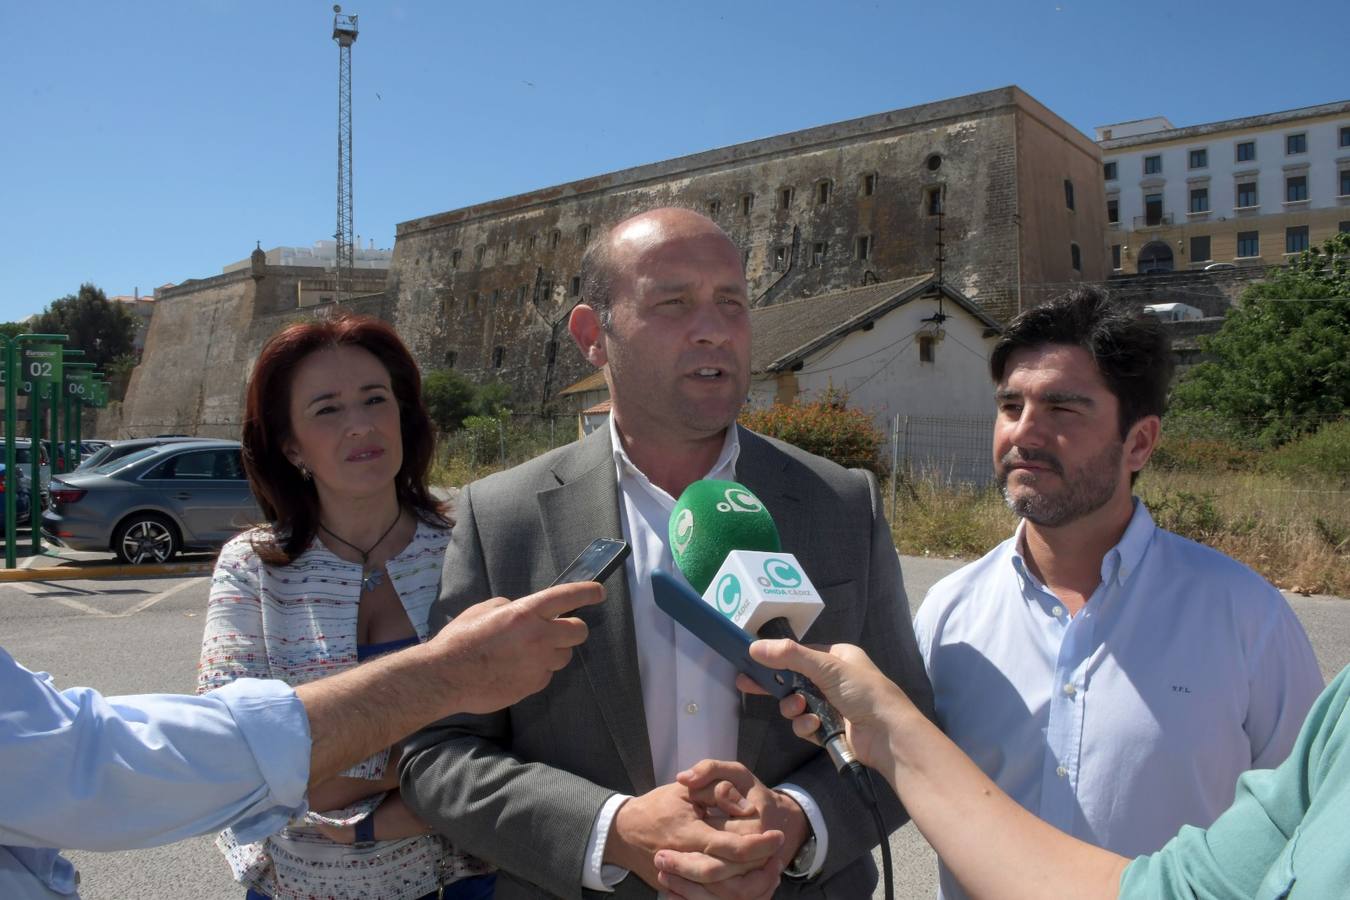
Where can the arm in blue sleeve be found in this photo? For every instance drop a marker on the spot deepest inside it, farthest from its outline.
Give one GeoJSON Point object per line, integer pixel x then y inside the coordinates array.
{"type": "Point", "coordinates": [111, 773]}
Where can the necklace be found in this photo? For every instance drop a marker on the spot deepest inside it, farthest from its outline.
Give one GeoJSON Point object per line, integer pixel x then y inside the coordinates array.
{"type": "Point", "coordinates": [373, 577]}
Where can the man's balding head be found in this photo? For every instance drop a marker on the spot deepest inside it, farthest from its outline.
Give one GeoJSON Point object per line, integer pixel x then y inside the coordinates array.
{"type": "Point", "coordinates": [611, 256]}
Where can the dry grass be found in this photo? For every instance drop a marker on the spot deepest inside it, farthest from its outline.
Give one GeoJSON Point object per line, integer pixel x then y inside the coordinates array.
{"type": "Point", "coordinates": [1295, 533]}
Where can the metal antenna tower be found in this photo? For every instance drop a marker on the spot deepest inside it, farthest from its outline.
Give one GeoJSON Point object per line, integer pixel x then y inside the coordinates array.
{"type": "Point", "coordinates": [344, 32]}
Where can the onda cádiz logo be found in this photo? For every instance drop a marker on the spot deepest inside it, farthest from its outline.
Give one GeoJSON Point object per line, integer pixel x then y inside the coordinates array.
{"type": "Point", "coordinates": [728, 594]}
{"type": "Point", "coordinates": [684, 529]}
{"type": "Point", "coordinates": [779, 573]}
{"type": "Point", "coordinates": [739, 500]}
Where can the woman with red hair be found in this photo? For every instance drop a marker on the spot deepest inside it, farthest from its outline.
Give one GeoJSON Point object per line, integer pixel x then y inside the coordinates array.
{"type": "Point", "coordinates": [337, 445]}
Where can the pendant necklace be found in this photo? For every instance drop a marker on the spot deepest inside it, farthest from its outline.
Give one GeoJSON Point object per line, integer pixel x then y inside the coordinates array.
{"type": "Point", "coordinates": [373, 577]}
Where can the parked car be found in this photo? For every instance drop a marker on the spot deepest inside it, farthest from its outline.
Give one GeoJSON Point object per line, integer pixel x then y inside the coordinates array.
{"type": "Point", "coordinates": [117, 449]}
{"type": "Point", "coordinates": [152, 503]}
{"type": "Point", "coordinates": [23, 457]}
{"type": "Point", "coordinates": [89, 448]}
{"type": "Point", "coordinates": [23, 502]}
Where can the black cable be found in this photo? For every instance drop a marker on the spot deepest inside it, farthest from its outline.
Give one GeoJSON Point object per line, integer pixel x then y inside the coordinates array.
{"type": "Point", "coordinates": [861, 779]}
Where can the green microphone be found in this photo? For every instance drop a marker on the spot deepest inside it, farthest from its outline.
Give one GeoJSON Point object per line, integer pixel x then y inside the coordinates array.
{"type": "Point", "coordinates": [711, 519]}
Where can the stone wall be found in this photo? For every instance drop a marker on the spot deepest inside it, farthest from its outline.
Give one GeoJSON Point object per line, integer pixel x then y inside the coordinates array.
{"type": "Point", "coordinates": [486, 289]}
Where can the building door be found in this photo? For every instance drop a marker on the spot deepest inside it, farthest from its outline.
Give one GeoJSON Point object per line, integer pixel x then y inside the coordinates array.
{"type": "Point", "coordinates": [1154, 258]}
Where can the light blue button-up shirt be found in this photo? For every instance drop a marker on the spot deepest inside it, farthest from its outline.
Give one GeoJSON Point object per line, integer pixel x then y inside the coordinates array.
{"type": "Point", "coordinates": [1134, 717]}
{"type": "Point", "coordinates": [84, 771]}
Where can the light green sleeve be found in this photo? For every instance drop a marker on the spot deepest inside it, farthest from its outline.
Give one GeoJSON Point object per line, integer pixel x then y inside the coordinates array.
{"type": "Point", "coordinates": [1285, 829]}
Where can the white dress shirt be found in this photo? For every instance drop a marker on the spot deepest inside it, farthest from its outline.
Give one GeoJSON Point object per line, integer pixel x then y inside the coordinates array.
{"type": "Point", "coordinates": [688, 692]}
{"type": "Point", "coordinates": [1134, 717]}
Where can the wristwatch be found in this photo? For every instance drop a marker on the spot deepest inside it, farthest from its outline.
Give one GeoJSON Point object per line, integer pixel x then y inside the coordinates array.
{"type": "Point", "coordinates": [800, 866]}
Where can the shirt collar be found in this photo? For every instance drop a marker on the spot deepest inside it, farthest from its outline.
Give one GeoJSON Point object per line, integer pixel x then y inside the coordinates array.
{"type": "Point", "coordinates": [724, 467]}
{"type": "Point", "coordinates": [1120, 561]}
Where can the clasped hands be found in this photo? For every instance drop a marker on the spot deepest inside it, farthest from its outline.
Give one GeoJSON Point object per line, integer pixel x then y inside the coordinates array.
{"type": "Point", "coordinates": [716, 832]}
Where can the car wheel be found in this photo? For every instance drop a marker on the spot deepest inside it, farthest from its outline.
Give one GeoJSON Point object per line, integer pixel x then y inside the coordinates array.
{"type": "Point", "coordinates": [145, 538]}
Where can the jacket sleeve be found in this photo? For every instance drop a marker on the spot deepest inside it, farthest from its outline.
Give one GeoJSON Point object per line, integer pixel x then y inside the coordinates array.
{"type": "Point", "coordinates": [530, 819]}
{"type": "Point", "coordinates": [232, 640]}
{"type": "Point", "coordinates": [888, 638]}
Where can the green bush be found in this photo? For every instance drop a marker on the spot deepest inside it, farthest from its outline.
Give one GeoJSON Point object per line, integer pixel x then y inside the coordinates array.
{"type": "Point", "coordinates": [826, 428]}
{"type": "Point", "coordinates": [1323, 455]}
{"type": "Point", "coordinates": [451, 398]}
{"type": "Point", "coordinates": [1192, 514]}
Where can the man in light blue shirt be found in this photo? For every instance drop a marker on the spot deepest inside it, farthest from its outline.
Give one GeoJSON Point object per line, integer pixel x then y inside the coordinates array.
{"type": "Point", "coordinates": [1113, 678]}
{"type": "Point", "coordinates": [84, 771]}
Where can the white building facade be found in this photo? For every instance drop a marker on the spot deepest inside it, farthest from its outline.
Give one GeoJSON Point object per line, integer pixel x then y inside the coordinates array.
{"type": "Point", "coordinates": [1248, 191]}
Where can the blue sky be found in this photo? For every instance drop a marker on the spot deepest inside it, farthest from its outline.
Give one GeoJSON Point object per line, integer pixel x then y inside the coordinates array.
{"type": "Point", "coordinates": [149, 142]}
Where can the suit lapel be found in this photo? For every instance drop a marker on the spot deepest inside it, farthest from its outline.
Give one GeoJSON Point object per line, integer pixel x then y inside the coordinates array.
{"type": "Point", "coordinates": [583, 507]}
{"type": "Point", "coordinates": [760, 468]}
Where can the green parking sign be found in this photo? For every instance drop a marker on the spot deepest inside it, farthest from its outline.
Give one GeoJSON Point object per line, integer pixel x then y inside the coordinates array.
{"type": "Point", "coordinates": [40, 365]}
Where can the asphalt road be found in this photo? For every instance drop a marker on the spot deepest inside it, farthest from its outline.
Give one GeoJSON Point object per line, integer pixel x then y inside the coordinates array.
{"type": "Point", "coordinates": [129, 636]}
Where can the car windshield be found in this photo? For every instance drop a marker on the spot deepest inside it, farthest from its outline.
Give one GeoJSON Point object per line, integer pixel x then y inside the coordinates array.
{"type": "Point", "coordinates": [97, 458]}
{"type": "Point", "coordinates": [122, 461]}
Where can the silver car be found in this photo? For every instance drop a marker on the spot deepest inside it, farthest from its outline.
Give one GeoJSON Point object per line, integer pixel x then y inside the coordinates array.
{"type": "Point", "coordinates": [150, 504]}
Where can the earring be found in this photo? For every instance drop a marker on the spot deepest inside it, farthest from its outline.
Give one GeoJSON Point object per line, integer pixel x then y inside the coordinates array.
{"type": "Point", "coordinates": [304, 472]}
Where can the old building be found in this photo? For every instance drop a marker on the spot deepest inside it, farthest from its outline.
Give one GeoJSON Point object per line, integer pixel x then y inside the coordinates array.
{"type": "Point", "coordinates": [486, 289]}
{"type": "Point", "coordinates": [1242, 192]}
{"type": "Point", "coordinates": [206, 334]}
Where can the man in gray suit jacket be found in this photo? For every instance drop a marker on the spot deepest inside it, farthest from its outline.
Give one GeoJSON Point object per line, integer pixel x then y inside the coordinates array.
{"type": "Point", "coordinates": [572, 791]}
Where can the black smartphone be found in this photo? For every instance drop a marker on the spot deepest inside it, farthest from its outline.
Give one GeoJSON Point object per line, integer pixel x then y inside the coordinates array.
{"type": "Point", "coordinates": [595, 563]}
{"type": "Point", "coordinates": [679, 601]}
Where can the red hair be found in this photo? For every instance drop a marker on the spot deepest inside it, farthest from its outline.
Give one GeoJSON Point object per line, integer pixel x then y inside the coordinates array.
{"type": "Point", "coordinates": [290, 503]}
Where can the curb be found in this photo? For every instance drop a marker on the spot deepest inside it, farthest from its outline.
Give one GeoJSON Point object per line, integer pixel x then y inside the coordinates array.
{"type": "Point", "coordinates": [68, 573]}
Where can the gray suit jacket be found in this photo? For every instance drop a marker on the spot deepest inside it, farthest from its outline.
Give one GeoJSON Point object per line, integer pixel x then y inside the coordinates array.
{"type": "Point", "coordinates": [522, 787]}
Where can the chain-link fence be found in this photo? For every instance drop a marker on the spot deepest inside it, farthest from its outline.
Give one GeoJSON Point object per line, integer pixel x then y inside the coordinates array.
{"type": "Point", "coordinates": [951, 450]}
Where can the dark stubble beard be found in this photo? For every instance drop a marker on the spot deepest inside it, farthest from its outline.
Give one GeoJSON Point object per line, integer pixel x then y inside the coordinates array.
{"type": "Point", "coordinates": [1084, 491]}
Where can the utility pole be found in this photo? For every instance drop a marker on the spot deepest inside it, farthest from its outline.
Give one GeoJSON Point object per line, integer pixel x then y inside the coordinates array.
{"type": "Point", "coordinates": [344, 32]}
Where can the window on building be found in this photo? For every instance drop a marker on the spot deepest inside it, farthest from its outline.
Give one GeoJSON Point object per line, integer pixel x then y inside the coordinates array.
{"type": "Point", "coordinates": [454, 259]}
{"type": "Point", "coordinates": [1344, 227]}
{"type": "Point", "coordinates": [1296, 143]}
{"type": "Point", "coordinates": [1076, 257]}
{"type": "Point", "coordinates": [450, 359]}
{"type": "Point", "coordinates": [933, 200]}
{"type": "Point", "coordinates": [576, 285]}
{"type": "Point", "coordinates": [1345, 136]}
{"type": "Point", "coordinates": [521, 293]}
{"type": "Point", "coordinates": [1113, 210]}
{"type": "Point", "coordinates": [1153, 209]}
{"type": "Point", "coordinates": [1295, 188]}
{"type": "Point", "coordinates": [780, 254]}
{"type": "Point", "coordinates": [1109, 171]}
{"type": "Point", "coordinates": [1198, 159]}
{"type": "Point", "coordinates": [498, 357]}
{"type": "Point", "coordinates": [496, 297]}
{"type": "Point", "coordinates": [714, 207]}
{"type": "Point", "coordinates": [1248, 243]}
{"type": "Point", "coordinates": [869, 185]}
{"type": "Point", "coordinates": [1246, 194]}
{"type": "Point", "coordinates": [1296, 239]}
{"type": "Point", "coordinates": [473, 300]}
{"type": "Point", "coordinates": [822, 192]}
{"type": "Point", "coordinates": [530, 242]}
{"type": "Point", "coordinates": [1345, 182]}
{"type": "Point", "coordinates": [1199, 200]}
{"type": "Point", "coordinates": [584, 233]}
{"type": "Point", "coordinates": [785, 198]}
{"type": "Point", "coordinates": [1152, 165]}
{"type": "Point", "coordinates": [478, 253]}
{"type": "Point", "coordinates": [545, 290]}
{"type": "Point", "coordinates": [554, 238]}
{"type": "Point", "coordinates": [927, 346]}
{"type": "Point", "coordinates": [1115, 257]}
{"type": "Point", "coordinates": [1200, 248]}
{"type": "Point", "coordinates": [505, 249]}
{"type": "Point", "coordinates": [864, 246]}
{"type": "Point", "coordinates": [747, 203]}
{"type": "Point", "coordinates": [818, 254]}
{"type": "Point", "coordinates": [1246, 151]}
{"type": "Point", "coordinates": [1068, 193]}
{"type": "Point", "coordinates": [934, 162]}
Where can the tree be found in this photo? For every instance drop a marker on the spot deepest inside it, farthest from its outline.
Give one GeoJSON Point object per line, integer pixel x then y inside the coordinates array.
{"type": "Point", "coordinates": [825, 427]}
{"type": "Point", "coordinates": [1282, 358]}
{"type": "Point", "coordinates": [102, 329]}
{"type": "Point", "coordinates": [13, 329]}
{"type": "Point", "coordinates": [450, 398]}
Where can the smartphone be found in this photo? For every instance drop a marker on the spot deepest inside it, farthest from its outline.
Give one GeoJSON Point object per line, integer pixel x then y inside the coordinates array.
{"type": "Point", "coordinates": [679, 601]}
{"type": "Point", "coordinates": [595, 563]}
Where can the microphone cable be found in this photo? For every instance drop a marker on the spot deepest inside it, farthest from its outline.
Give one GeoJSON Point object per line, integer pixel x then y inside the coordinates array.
{"type": "Point", "coordinates": [858, 775]}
